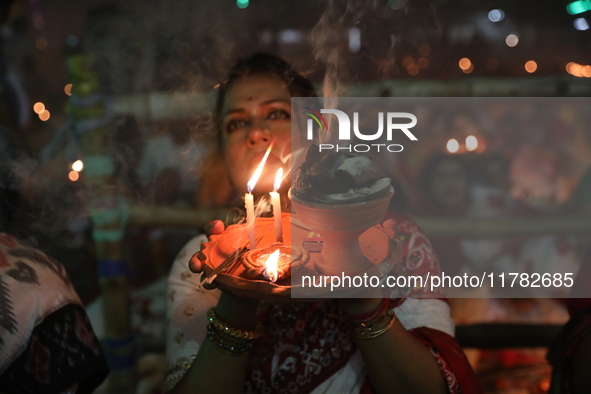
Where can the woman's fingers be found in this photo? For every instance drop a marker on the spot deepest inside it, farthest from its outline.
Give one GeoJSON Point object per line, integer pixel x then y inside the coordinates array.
{"type": "Point", "coordinates": [198, 259]}
{"type": "Point", "coordinates": [196, 266]}
{"type": "Point", "coordinates": [214, 227]}
{"type": "Point", "coordinates": [196, 263]}
{"type": "Point", "coordinates": [389, 224]}
{"type": "Point", "coordinates": [209, 285]}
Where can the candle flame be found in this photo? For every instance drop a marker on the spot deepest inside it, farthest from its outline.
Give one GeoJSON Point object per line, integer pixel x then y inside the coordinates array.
{"type": "Point", "coordinates": [253, 181]}
{"type": "Point", "coordinates": [278, 179]}
{"type": "Point", "coordinates": [271, 266]}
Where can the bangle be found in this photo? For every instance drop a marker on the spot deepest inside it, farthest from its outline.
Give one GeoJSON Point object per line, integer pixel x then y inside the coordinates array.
{"type": "Point", "coordinates": [226, 328]}
{"type": "Point", "coordinates": [367, 330]}
{"type": "Point", "coordinates": [226, 346]}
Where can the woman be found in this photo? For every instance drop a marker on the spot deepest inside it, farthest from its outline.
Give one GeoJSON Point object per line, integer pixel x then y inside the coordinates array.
{"type": "Point", "coordinates": [47, 344]}
{"type": "Point", "coordinates": [306, 347]}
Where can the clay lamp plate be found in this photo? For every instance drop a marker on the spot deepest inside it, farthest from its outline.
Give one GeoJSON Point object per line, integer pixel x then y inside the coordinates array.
{"type": "Point", "coordinates": [246, 277]}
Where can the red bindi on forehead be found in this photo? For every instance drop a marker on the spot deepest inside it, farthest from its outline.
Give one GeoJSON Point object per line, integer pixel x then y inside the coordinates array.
{"type": "Point", "coordinates": [250, 99]}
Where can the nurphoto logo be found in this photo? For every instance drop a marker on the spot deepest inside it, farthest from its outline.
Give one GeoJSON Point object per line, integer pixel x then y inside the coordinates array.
{"type": "Point", "coordinates": [393, 123]}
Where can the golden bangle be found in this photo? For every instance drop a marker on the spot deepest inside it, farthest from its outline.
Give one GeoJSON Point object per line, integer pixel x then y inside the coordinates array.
{"type": "Point", "coordinates": [368, 330]}
{"type": "Point", "coordinates": [371, 323]}
{"type": "Point", "coordinates": [226, 328]}
{"type": "Point", "coordinates": [225, 346]}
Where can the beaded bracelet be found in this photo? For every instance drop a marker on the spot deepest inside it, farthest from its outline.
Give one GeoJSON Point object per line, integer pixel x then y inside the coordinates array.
{"type": "Point", "coordinates": [226, 328]}
{"type": "Point", "coordinates": [367, 330]}
{"type": "Point", "coordinates": [226, 346]}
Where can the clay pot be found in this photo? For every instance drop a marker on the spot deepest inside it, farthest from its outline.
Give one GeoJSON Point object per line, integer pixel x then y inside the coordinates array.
{"type": "Point", "coordinates": [341, 225]}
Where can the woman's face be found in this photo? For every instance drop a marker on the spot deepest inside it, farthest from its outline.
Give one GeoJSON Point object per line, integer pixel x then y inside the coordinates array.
{"type": "Point", "coordinates": [449, 185]}
{"type": "Point", "coordinates": [256, 111]}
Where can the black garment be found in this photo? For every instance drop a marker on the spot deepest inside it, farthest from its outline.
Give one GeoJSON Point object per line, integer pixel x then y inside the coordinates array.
{"type": "Point", "coordinates": [61, 352]}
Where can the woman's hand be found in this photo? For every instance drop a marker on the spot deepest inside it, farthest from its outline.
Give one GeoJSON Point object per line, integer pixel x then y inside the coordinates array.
{"type": "Point", "coordinates": [197, 260]}
{"type": "Point", "coordinates": [237, 310]}
{"type": "Point", "coordinates": [372, 297]}
{"type": "Point", "coordinates": [211, 367]}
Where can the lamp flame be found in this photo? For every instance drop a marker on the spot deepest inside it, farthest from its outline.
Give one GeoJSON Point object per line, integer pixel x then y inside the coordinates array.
{"type": "Point", "coordinates": [278, 179]}
{"type": "Point", "coordinates": [271, 266]}
{"type": "Point", "coordinates": [253, 181]}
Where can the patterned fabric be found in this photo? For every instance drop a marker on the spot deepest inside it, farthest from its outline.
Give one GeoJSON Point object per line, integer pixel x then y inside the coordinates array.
{"type": "Point", "coordinates": [453, 385]}
{"type": "Point", "coordinates": [302, 346]}
{"type": "Point", "coordinates": [61, 353]}
{"type": "Point", "coordinates": [306, 347]}
{"type": "Point", "coordinates": [454, 365]}
{"type": "Point", "coordinates": [46, 342]}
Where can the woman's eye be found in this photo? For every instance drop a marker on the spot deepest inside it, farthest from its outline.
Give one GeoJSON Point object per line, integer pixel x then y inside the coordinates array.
{"type": "Point", "coordinates": [234, 125]}
{"type": "Point", "coordinates": [279, 114]}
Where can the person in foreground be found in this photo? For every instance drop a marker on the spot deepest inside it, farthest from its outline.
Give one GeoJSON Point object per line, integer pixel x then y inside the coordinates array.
{"type": "Point", "coordinates": [47, 344]}
{"type": "Point", "coordinates": [300, 347]}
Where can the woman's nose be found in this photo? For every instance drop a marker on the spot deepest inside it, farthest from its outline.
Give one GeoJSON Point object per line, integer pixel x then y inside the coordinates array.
{"type": "Point", "coordinates": [258, 135]}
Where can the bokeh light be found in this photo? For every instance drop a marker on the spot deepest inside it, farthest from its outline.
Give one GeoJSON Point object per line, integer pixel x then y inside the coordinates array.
{"type": "Point", "coordinates": [496, 15]}
{"type": "Point", "coordinates": [68, 89]}
{"type": "Point", "coordinates": [423, 63]}
{"type": "Point", "coordinates": [465, 63]}
{"type": "Point", "coordinates": [425, 50]}
{"type": "Point", "coordinates": [581, 24]}
{"type": "Point", "coordinates": [469, 70]}
{"type": "Point", "coordinates": [531, 66]}
{"type": "Point", "coordinates": [407, 61]}
{"type": "Point", "coordinates": [78, 165]}
{"type": "Point", "coordinates": [38, 107]}
{"type": "Point", "coordinates": [453, 146]}
{"type": "Point", "coordinates": [44, 115]}
{"type": "Point", "coordinates": [471, 143]}
{"type": "Point", "coordinates": [73, 176]}
{"type": "Point", "coordinates": [354, 39]}
{"type": "Point", "coordinates": [575, 69]}
{"type": "Point", "coordinates": [512, 40]}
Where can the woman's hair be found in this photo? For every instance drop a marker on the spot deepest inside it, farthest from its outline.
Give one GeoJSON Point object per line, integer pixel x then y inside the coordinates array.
{"type": "Point", "coordinates": [267, 64]}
